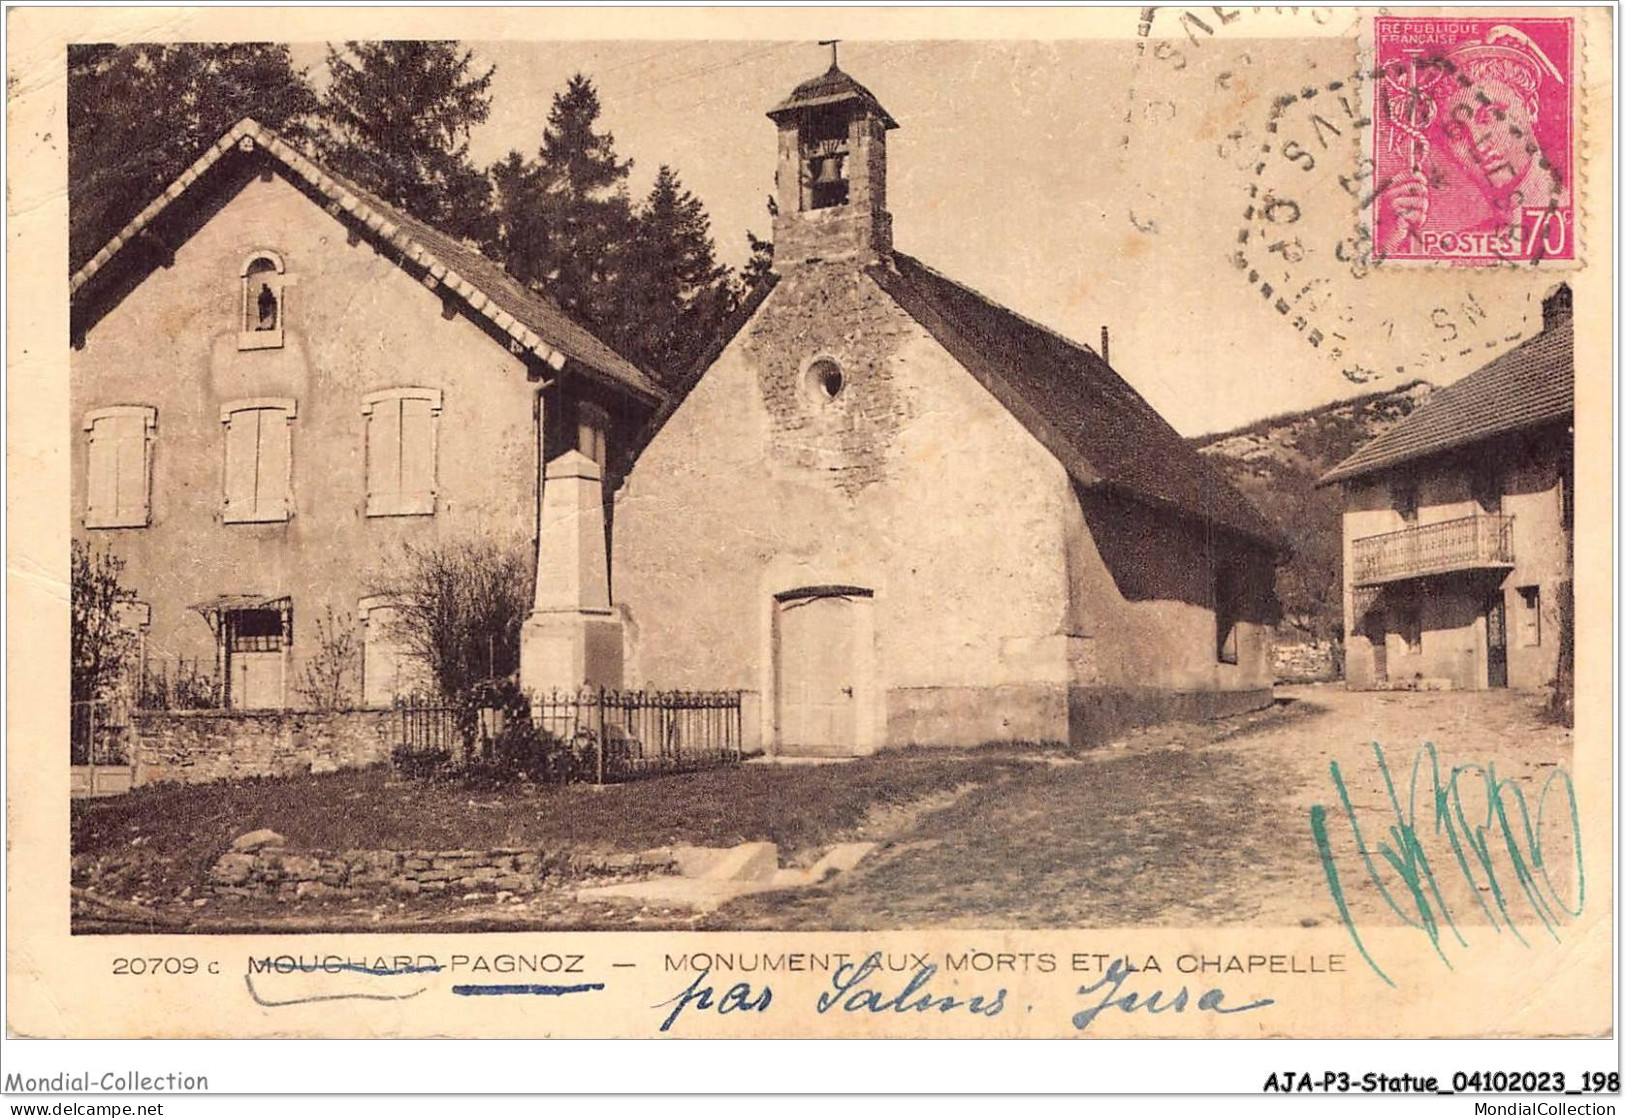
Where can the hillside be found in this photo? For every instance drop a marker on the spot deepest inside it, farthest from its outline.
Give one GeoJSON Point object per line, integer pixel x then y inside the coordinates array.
{"type": "Point", "coordinates": [1276, 461]}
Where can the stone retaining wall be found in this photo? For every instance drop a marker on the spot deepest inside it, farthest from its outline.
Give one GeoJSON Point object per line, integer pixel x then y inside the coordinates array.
{"type": "Point", "coordinates": [1308, 663]}
{"type": "Point", "coordinates": [297, 874]}
{"type": "Point", "coordinates": [198, 746]}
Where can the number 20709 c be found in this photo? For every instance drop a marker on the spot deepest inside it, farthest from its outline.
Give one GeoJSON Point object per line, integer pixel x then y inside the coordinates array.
{"type": "Point", "coordinates": [163, 964]}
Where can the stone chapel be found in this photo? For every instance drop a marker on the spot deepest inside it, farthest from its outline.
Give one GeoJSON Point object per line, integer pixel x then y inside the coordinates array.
{"type": "Point", "coordinates": [893, 512]}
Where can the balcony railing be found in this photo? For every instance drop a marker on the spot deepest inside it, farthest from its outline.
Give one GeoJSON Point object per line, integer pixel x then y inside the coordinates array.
{"type": "Point", "coordinates": [1479, 542]}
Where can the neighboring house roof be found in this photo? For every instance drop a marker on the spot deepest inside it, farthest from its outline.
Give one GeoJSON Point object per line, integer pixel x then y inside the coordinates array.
{"type": "Point", "coordinates": [533, 322]}
{"type": "Point", "coordinates": [832, 86]}
{"type": "Point", "coordinates": [1074, 403]}
{"type": "Point", "coordinates": [1530, 385]}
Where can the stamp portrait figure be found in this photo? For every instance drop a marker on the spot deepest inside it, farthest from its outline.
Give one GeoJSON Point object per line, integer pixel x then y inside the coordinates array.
{"type": "Point", "coordinates": [1473, 153]}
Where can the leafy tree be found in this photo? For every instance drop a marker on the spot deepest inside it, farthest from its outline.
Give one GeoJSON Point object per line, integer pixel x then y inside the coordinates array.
{"type": "Point", "coordinates": [396, 119]}
{"type": "Point", "coordinates": [565, 220]}
{"type": "Point", "coordinates": [325, 683]}
{"type": "Point", "coordinates": [140, 114]}
{"type": "Point", "coordinates": [103, 647]}
{"type": "Point", "coordinates": [458, 608]}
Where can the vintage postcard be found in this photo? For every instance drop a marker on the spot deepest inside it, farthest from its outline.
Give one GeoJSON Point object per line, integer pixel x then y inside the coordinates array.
{"type": "Point", "coordinates": [821, 523]}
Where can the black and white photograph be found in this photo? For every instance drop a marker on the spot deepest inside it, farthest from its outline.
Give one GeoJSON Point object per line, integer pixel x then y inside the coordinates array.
{"type": "Point", "coordinates": [925, 497]}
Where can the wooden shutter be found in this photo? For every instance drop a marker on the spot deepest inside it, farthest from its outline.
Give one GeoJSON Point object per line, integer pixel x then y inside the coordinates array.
{"type": "Point", "coordinates": [401, 434]}
{"type": "Point", "coordinates": [384, 455]}
{"type": "Point", "coordinates": [417, 454]}
{"type": "Point", "coordinates": [275, 464]}
{"type": "Point", "coordinates": [117, 491]}
{"type": "Point", "coordinates": [259, 458]}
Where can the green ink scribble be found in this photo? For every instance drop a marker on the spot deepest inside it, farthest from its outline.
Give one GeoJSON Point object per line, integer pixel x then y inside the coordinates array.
{"type": "Point", "coordinates": [1420, 904]}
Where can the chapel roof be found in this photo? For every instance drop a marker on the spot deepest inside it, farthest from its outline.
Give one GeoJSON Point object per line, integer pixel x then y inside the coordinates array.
{"type": "Point", "coordinates": [532, 322]}
{"type": "Point", "coordinates": [1072, 401]}
{"type": "Point", "coordinates": [832, 86]}
{"type": "Point", "coordinates": [1530, 385]}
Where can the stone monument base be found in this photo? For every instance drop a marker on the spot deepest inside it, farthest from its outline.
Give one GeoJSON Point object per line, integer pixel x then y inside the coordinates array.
{"type": "Point", "coordinates": [568, 650]}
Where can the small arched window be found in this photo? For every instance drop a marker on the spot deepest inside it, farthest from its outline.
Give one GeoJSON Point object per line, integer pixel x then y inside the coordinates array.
{"type": "Point", "coordinates": [263, 301]}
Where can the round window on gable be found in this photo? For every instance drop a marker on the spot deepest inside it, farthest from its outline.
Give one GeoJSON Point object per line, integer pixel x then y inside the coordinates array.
{"type": "Point", "coordinates": [825, 379]}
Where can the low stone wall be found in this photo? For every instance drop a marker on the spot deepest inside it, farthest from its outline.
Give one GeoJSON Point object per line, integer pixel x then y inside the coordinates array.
{"type": "Point", "coordinates": [284, 874]}
{"type": "Point", "coordinates": [198, 746]}
{"type": "Point", "coordinates": [1049, 713]}
{"type": "Point", "coordinates": [1308, 663]}
{"type": "Point", "coordinates": [1100, 714]}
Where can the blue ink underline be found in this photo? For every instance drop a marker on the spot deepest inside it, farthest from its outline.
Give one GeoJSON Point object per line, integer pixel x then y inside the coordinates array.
{"type": "Point", "coordinates": [478, 991]}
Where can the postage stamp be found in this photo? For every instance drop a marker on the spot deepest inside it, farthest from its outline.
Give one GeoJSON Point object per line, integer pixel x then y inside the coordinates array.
{"type": "Point", "coordinates": [804, 525]}
{"type": "Point", "coordinates": [1474, 139]}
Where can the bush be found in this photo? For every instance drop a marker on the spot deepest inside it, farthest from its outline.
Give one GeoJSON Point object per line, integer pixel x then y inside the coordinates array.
{"type": "Point", "coordinates": [525, 752]}
{"type": "Point", "coordinates": [420, 764]}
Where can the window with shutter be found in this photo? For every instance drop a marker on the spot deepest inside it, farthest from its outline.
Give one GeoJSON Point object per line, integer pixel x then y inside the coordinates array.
{"type": "Point", "coordinates": [259, 460]}
{"type": "Point", "coordinates": [388, 670]}
{"type": "Point", "coordinates": [119, 466]}
{"type": "Point", "coordinates": [402, 431]}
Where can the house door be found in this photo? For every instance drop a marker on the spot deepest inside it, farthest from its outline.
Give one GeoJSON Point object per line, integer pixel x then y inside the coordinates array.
{"type": "Point", "coordinates": [1495, 634]}
{"type": "Point", "coordinates": [255, 657]}
{"type": "Point", "coordinates": [256, 680]}
{"type": "Point", "coordinates": [817, 649]}
{"type": "Point", "coordinates": [1377, 631]}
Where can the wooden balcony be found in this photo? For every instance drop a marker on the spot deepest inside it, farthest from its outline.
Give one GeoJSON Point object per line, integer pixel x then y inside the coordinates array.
{"type": "Point", "coordinates": [1479, 542]}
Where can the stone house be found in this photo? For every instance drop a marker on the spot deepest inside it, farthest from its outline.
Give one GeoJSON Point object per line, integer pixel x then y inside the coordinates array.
{"type": "Point", "coordinates": [893, 512]}
{"type": "Point", "coordinates": [1458, 529]}
{"type": "Point", "coordinates": [278, 380]}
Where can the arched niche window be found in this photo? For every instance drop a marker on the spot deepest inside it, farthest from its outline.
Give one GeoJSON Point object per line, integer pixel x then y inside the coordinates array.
{"type": "Point", "coordinates": [264, 299]}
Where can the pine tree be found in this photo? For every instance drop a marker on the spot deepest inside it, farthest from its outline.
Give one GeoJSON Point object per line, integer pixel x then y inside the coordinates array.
{"type": "Point", "coordinates": [758, 266]}
{"type": "Point", "coordinates": [565, 221]}
{"type": "Point", "coordinates": [679, 293]}
{"type": "Point", "coordinates": [396, 119]}
{"type": "Point", "coordinates": [140, 114]}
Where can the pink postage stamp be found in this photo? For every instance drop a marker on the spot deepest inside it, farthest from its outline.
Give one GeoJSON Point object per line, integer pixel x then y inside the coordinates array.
{"type": "Point", "coordinates": [1474, 139]}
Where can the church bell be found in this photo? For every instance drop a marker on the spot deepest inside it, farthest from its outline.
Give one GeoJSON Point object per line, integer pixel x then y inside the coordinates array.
{"type": "Point", "coordinates": [829, 170]}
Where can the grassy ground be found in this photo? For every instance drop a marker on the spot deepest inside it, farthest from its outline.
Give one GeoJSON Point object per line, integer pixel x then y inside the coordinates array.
{"type": "Point", "coordinates": [1177, 825]}
{"type": "Point", "coordinates": [182, 830]}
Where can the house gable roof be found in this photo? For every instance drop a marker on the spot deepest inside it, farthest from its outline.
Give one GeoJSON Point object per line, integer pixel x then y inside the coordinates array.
{"type": "Point", "coordinates": [532, 323]}
{"type": "Point", "coordinates": [1530, 385]}
{"type": "Point", "coordinates": [1075, 404]}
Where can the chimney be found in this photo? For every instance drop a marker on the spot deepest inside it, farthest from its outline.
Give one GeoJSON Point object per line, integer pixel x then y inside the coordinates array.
{"type": "Point", "coordinates": [1558, 306]}
{"type": "Point", "coordinates": [1105, 345]}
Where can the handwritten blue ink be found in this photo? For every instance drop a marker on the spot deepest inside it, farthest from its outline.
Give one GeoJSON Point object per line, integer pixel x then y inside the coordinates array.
{"type": "Point", "coordinates": [1422, 905]}
{"type": "Point", "coordinates": [737, 998]}
{"type": "Point", "coordinates": [1117, 973]}
{"type": "Point", "coordinates": [536, 989]}
{"type": "Point", "coordinates": [848, 993]}
{"type": "Point", "coordinates": [336, 966]}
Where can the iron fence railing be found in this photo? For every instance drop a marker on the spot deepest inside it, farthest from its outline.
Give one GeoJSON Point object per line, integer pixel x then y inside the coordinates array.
{"type": "Point", "coordinates": [1465, 543]}
{"type": "Point", "coordinates": [594, 735]}
{"type": "Point", "coordinates": [98, 732]}
{"type": "Point", "coordinates": [181, 683]}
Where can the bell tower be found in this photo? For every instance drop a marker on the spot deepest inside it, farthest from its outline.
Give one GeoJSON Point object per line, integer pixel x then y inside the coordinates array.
{"type": "Point", "coordinates": [831, 177]}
